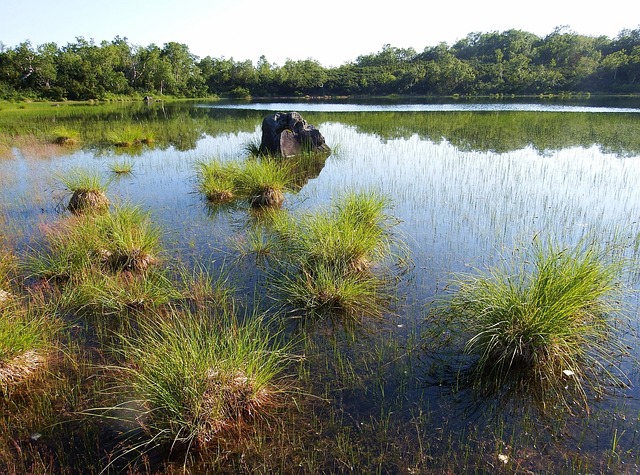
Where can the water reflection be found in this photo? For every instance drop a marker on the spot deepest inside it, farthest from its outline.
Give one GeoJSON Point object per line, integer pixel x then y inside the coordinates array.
{"type": "Point", "coordinates": [464, 107]}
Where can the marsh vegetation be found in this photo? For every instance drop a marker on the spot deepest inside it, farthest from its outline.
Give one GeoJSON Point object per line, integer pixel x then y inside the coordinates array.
{"type": "Point", "coordinates": [448, 292]}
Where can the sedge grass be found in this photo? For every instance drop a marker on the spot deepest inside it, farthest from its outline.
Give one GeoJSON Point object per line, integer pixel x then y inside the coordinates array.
{"type": "Point", "coordinates": [263, 182]}
{"type": "Point", "coordinates": [124, 239]}
{"type": "Point", "coordinates": [25, 340]}
{"type": "Point", "coordinates": [87, 189]}
{"type": "Point", "coordinates": [352, 236]}
{"type": "Point", "coordinates": [122, 167]}
{"type": "Point", "coordinates": [129, 136]}
{"type": "Point", "coordinates": [216, 179]}
{"type": "Point", "coordinates": [67, 136]}
{"type": "Point", "coordinates": [334, 262]}
{"type": "Point", "coordinates": [548, 326]}
{"type": "Point", "coordinates": [192, 380]}
{"type": "Point", "coordinates": [120, 295]}
{"type": "Point", "coordinates": [130, 240]}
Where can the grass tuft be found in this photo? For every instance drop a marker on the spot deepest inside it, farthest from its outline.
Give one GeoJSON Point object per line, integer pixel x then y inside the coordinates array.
{"type": "Point", "coordinates": [25, 339]}
{"type": "Point", "coordinates": [123, 167]}
{"type": "Point", "coordinates": [335, 261]}
{"type": "Point", "coordinates": [87, 190]}
{"type": "Point", "coordinates": [261, 182]}
{"type": "Point", "coordinates": [216, 179]}
{"type": "Point", "coordinates": [124, 239]}
{"type": "Point", "coordinates": [196, 379]}
{"type": "Point", "coordinates": [548, 325]}
{"type": "Point", "coordinates": [65, 136]}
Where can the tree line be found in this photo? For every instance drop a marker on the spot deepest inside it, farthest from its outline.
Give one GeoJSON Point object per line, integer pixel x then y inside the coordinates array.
{"type": "Point", "coordinates": [508, 62]}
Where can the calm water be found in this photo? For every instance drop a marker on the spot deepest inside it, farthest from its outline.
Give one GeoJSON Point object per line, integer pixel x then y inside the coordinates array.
{"type": "Point", "coordinates": [469, 182]}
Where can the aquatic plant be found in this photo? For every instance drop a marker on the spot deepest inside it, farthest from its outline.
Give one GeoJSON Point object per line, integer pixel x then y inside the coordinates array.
{"type": "Point", "coordinates": [548, 325]}
{"type": "Point", "coordinates": [95, 293]}
{"type": "Point", "coordinates": [25, 339]}
{"type": "Point", "coordinates": [129, 239]}
{"type": "Point", "coordinates": [87, 190]}
{"type": "Point", "coordinates": [216, 179]}
{"type": "Point", "coordinates": [124, 239]}
{"type": "Point", "coordinates": [65, 136]}
{"type": "Point", "coordinates": [325, 260]}
{"type": "Point", "coordinates": [122, 167]}
{"type": "Point", "coordinates": [263, 182]}
{"type": "Point", "coordinates": [130, 135]}
{"type": "Point", "coordinates": [191, 379]}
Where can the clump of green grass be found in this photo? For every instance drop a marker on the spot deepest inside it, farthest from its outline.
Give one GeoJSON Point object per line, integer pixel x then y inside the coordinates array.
{"type": "Point", "coordinates": [196, 379]}
{"type": "Point", "coordinates": [88, 191]}
{"type": "Point", "coordinates": [335, 261]}
{"type": "Point", "coordinates": [124, 239]}
{"type": "Point", "coordinates": [261, 182]}
{"type": "Point", "coordinates": [25, 339]}
{"type": "Point", "coordinates": [123, 167]}
{"type": "Point", "coordinates": [547, 325]}
{"type": "Point", "coordinates": [216, 179]}
{"type": "Point", "coordinates": [130, 240]}
{"type": "Point", "coordinates": [65, 136]}
{"type": "Point", "coordinates": [130, 136]}
{"type": "Point", "coordinates": [95, 293]}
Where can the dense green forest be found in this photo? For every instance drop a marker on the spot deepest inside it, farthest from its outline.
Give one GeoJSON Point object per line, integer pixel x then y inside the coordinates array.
{"type": "Point", "coordinates": [509, 62]}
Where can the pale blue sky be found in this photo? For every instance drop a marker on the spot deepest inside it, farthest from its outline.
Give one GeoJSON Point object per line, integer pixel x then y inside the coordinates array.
{"type": "Point", "coordinates": [330, 31]}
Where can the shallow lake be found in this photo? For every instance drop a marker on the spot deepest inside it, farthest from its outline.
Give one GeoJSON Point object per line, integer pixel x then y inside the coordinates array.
{"type": "Point", "coordinates": [471, 183]}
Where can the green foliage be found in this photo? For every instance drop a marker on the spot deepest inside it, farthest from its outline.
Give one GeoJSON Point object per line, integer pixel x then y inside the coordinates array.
{"type": "Point", "coordinates": [195, 378]}
{"type": "Point", "coordinates": [549, 324]}
{"type": "Point", "coordinates": [20, 332]}
{"type": "Point", "coordinates": [260, 181]}
{"type": "Point", "coordinates": [83, 180]}
{"type": "Point", "coordinates": [62, 135]}
{"type": "Point", "coordinates": [129, 136]}
{"type": "Point", "coordinates": [122, 167]}
{"type": "Point", "coordinates": [332, 262]}
{"type": "Point", "coordinates": [124, 239]}
{"type": "Point", "coordinates": [216, 179]}
{"type": "Point", "coordinates": [508, 62]}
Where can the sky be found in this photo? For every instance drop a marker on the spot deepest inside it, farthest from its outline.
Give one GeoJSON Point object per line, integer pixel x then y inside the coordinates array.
{"type": "Point", "coordinates": [332, 32]}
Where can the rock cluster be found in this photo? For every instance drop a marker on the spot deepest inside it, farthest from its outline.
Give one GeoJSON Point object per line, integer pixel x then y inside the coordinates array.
{"type": "Point", "coordinates": [287, 134]}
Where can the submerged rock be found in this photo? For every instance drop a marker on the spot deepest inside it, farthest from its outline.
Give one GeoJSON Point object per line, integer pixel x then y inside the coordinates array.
{"type": "Point", "coordinates": [287, 134]}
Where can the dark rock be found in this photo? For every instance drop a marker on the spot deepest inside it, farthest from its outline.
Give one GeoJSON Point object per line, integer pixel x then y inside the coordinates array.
{"type": "Point", "coordinates": [287, 134]}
